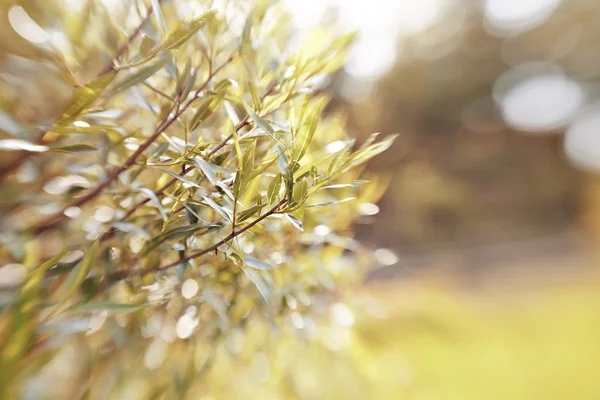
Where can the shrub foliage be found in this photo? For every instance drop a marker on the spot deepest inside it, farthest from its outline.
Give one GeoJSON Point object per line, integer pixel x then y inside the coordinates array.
{"type": "Point", "coordinates": [158, 200]}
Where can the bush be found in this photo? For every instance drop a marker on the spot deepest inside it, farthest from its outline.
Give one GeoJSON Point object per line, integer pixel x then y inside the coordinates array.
{"type": "Point", "coordinates": [170, 198]}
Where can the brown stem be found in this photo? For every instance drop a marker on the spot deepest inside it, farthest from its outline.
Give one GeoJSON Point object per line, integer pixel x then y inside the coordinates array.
{"type": "Point", "coordinates": [58, 217]}
{"type": "Point", "coordinates": [122, 274]}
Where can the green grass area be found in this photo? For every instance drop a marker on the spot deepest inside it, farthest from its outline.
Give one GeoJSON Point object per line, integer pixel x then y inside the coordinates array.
{"type": "Point", "coordinates": [420, 342]}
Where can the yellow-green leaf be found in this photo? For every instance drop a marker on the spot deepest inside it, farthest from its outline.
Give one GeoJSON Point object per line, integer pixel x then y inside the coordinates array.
{"type": "Point", "coordinates": [207, 168]}
{"type": "Point", "coordinates": [258, 264]}
{"type": "Point", "coordinates": [220, 210]}
{"type": "Point", "coordinates": [179, 34]}
{"type": "Point", "coordinates": [109, 306]}
{"type": "Point", "coordinates": [259, 121]}
{"type": "Point", "coordinates": [74, 148]}
{"type": "Point", "coordinates": [85, 97]}
{"type": "Point", "coordinates": [308, 129]}
{"type": "Point", "coordinates": [134, 77]}
{"type": "Point", "coordinates": [76, 276]}
{"type": "Point", "coordinates": [274, 189]}
{"type": "Point", "coordinates": [295, 222]}
{"type": "Point", "coordinates": [300, 191]}
{"type": "Point", "coordinates": [185, 181]}
{"type": "Point", "coordinates": [159, 16]}
{"type": "Point", "coordinates": [208, 106]}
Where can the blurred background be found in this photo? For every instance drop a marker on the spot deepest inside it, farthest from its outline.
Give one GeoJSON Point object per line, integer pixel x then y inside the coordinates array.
{"type": "Point", "coordinates": [486, 244]}
{"type": "Point", "coordinates": [497, 106]}
{"type": "Point", "coordinates": [487, 239]}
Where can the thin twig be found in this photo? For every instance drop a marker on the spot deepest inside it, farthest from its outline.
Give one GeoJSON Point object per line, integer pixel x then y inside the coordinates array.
{"type": "Point", "coordinates": [122, 274]}
{"type": "Point", "coordinates": [158, 91]}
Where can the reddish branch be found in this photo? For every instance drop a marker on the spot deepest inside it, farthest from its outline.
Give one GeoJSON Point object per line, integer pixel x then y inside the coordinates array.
{"type": "Point", "coordinates": [122, 274]}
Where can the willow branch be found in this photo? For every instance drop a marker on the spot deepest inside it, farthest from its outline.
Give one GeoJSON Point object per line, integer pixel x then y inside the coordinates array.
{"type": "Point", "coordinates": [244, 122]}
{"type": "Point", "coordinates": [122, 274]}
{"type": "Point", "coordinates": [58, 217]}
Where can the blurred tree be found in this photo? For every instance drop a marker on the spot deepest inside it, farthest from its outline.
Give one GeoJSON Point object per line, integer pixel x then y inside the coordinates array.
{"type": "Point", "coordinates": [463, 177]}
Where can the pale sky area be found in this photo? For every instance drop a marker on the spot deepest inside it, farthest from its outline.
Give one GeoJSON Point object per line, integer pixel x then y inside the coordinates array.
{"type": "Point", "coordinates": [380, 23]}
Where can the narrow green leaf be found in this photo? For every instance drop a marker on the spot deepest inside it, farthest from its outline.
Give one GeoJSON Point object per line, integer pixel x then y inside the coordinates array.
{"type": "Point", "coordinates": [146, 45]}
{"type": "Point", "coordinates": [156, 201]}
{"type": "Point", "coordinates": [192, 214]}
{"type": "Point", "coordinates": [244, 215]}
{"type": "Point", "coordinates": [238, 184]}
{"type": "Point", "coordinates": [370, 151]}
{"type": "Point", "coordinates": [274, 189]}
{"type": "Point", "coordinates": [300, 190]}
{"type": "Point", "coordinates": [138, 76]}
{"type": "Point", "coordinates": [248, 159]}
{"type": "Point", "coordinates": [260, 284]}
{"type": "Point", "coordinates": [85, 97]}
{"type": "Point", "coordinates": [51, 262]}
{"type": "Point", "coordinates": [314, 172]}
{"type": "Point", "coordinates": [178, 147]}
{"type": "Point", "coordinates": [354, 184]}
{"type": "Point", "coordinates": [206, 108]}
{"type": "Point", "coordinates": [308, 129]}
{"type": "Point", "coordinates": [159, 151]}
{"type": "Point", "coordinates": [286, 172]}
{"type": "Point", "coordinates": [220, 210]}
{"type": "Point", "coordinates": [74, 148]}
{"type": "Point", "coordinates": [258, 264]}
{"type": "Point", "coordinates": [207, 168]}
{"type": "Point", "coordinates": [232, 113]}
{"type": "Point", "coordinates": [303, 110]}
{"type": "Point", "coordinates": [263, 166]}
{"type": "Point", "coordinates": [225, 189]}
{"type": "Point", "coordinates": [108, 306]}
{"type": "Point", "coordinates": [186, 81]}
{"type": "Point", "coordinates": [179, 34]}
{"type": "Point", "coordinates": [185, 181]}
{"type": "Point", "coordinates": [159, 16]}
{"type": "Point", "coordinates": [340, 159]}
{"type": "Point", "coordinates": [295, 221]}
{"type": "Point", "coordinates": [76, 276]}
{"type": "Point", "coordinates": [261, 122]}
{"type": "Point", "coordinates": [254, 94]}
{"type": "Point", "coordinates": [331, 203]}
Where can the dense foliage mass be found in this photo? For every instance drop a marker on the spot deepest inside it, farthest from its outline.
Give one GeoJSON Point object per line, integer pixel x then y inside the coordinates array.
{"type": "Point", "coordinates": [158, 201]}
